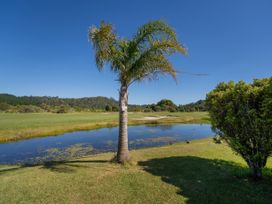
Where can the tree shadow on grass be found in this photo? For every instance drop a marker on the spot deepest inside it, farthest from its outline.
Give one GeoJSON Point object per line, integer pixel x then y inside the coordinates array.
{"type": "Point", "coordinates": [69, 166]}
{"type": "Point", "coordinates": [211, 181]}
{"type": "Point", "coordinates": [9, 169]}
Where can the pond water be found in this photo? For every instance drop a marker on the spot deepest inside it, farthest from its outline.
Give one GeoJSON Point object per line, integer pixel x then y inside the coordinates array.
{"type": "Point", "coordinates": [82, 143]}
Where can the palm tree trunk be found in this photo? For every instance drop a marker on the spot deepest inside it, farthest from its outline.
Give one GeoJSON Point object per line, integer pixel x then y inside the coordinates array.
{"type": "Point", "coordinates": [123, 153]}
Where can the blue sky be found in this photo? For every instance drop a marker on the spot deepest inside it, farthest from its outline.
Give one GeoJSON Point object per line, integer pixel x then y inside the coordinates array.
{"type": "Point", "coordinates": [44, 49]}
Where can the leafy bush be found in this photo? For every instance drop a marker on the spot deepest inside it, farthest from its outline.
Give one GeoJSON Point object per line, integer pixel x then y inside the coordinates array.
{"type": "Point", "coordinates": [28, 109]}
{"type": "Point", "coordinates": [115, 108]}
{"type": "Point", "coordinates": [242, 115]}
{"type": "Point", "coordinates": [166, 105]}
{"type": "Point", "coordinates": [147, 110]}
{"type": "Point", "coordinates": [4, 106]}
{"type": "Point", "coordinates": [62, 109]}
{"type": "Point", "coordinates": [191, 107]}
{"type": "Point", "coordinates": [157, 108]}
{"type": "Point", "coordinates": [108, 108]}
{"type": "Point", "coordinates": [217, 139]}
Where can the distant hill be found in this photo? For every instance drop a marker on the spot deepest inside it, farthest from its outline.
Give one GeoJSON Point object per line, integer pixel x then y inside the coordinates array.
{"type": "Point", "coordinates": [11, 103]}
{"type": "Point", "coordinates": [45, 102]}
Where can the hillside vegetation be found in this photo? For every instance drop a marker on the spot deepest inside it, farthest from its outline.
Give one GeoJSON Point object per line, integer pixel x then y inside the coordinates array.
{"type": "Point", "coordinates": [13, 103]}
{"type": "Point", "coordinates": [34, 104]}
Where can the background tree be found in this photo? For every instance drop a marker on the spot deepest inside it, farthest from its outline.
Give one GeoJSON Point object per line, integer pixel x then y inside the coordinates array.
{"type": "Point", "coordinates": [142, 57]}
{"type": "Point", "coordinates": [190, 107]}
{"type": "Point", "coordinates": [242, 115]}
{"type": "Point", "coordinates": [108, 108]}
{"type": "Point", "coordinates": [4, 106]}
{"type": "Point", "coordinates": [167, 105]}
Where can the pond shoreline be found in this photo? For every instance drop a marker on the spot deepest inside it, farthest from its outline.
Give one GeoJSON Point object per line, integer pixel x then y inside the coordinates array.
{"type": "Point", "coordinates": [80, 143]}
{"type": "Point", "coordinates": [30, 133]}
{"type": "Point", "coordinates": [105, 152]}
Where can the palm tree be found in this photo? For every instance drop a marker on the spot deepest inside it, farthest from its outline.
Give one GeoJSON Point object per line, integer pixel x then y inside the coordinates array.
{"type": "Point", "coordinates": [142, 57]}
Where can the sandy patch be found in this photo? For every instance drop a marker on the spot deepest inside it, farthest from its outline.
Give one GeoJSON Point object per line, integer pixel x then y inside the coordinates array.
{"type": "Point", "coordinates": [152, 118]}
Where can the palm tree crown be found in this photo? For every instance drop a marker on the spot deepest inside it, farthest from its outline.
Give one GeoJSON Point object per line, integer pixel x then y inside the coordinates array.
{"type": "Point", "coordinates": [142, 57]}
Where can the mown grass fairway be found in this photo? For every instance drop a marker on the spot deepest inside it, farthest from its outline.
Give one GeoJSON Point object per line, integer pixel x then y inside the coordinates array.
{"type": "Point", "coordinates": [27, 125]}
{"type": "Point", "coordinates": [198, 172]}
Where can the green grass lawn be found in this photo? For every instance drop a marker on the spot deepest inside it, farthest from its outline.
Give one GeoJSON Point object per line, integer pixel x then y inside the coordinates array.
{"type": "Point", "coordinates": [27, 125]}
{"type": "Point", "coordinates": [198, 172]}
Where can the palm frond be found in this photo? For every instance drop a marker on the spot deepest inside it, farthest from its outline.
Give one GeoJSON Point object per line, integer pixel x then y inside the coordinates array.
{"type": "Point", "coordinates": [151, 67]}
{"type": "Point", "coordinates": [147, 34]}
{"type": "Point", "coordinates": [153, 30]}
{"type": "Point", "coordinates": [104, 41]}
{"type": "Point", "coordinates": [155, 57]}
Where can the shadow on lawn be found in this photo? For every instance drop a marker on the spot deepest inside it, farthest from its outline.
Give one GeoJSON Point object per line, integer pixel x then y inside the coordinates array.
{"type": "Point", "coordinates": [56, 166]}
{"type": "Point", "coordinates": [211, 181]}
{"type": "Point", "coordinates": [68, 166]}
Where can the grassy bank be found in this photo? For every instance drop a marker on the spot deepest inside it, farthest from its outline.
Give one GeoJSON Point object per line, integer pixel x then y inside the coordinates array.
{"type": "Point", "coordinates": [27, 125]}
{"type": "Point", "coordinates": [198, 172]}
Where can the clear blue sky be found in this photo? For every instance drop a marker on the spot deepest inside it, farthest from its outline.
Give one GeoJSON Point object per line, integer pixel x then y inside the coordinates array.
{"type": "Point", "coordinates": [44, 49]}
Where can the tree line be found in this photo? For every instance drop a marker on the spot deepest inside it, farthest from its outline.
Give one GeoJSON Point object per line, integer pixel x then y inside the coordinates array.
{"type": "Point", "coordinates": [32, 104]}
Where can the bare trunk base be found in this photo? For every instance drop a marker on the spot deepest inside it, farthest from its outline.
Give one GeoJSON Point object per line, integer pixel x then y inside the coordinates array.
{"type": "Point", "coordinates": [123, 157]}
{"type": "Point", "coordinates": [256, 170]}
{"type": "Point", "coordinates": [121, 160]}
{"type": "Point", "coordinates": [256, 173]}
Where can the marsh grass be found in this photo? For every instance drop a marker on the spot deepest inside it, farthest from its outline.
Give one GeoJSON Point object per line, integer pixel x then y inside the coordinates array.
{"type": "Point", "coordinates": [163, 139]}
{"type": "Point", "coordinates": [69, 152]}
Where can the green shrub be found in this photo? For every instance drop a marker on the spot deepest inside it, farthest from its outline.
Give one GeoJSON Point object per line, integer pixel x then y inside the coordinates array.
{"type": "Point", "coordinates": [147, 110]}
{"type": "Point", "coordinates": [4, 106]}
{"type": "Point", "coordinates": [167, 105]}
{"type": "Point", "coordinates": [242, 115]}
{"type": "Point", "coordinates": [62, 109]}
{"type": "Point", "coordinates": [115, 109]}
{"type": "Point", "coordinates": [108, 108]}
{"type": "Point", "coordinates": [28, 109]}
